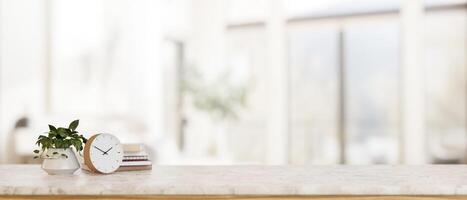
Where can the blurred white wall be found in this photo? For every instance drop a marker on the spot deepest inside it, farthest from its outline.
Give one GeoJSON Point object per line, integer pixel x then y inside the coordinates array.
{"type": "Point", "coordinates": [22, 62]}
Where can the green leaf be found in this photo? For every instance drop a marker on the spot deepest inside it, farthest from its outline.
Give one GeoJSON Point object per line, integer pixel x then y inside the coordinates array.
{"type": "Point", "coordinates": [83, 138]}
{"type": "Point", "coordinates": [74, 125]}
{"type": "Point", "coordinates": [57, 143]}
{"type": "Point", "coordinates": [52, 128]}
{"type": "Point", "coordinates": [77, 143]}
{"type": "Point", "coordinates": [62, 132]}
{"type": "Point", "coordinates": [53, 133]}
{"type": "Point", "coordinates": [36, 151]}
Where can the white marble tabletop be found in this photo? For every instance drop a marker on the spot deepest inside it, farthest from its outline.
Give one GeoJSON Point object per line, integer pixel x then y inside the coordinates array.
{"type": "Point", "coordinates": [243, 180]}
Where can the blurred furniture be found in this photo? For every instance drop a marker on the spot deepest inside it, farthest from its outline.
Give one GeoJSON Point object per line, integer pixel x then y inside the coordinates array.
{"type": "Point", "coordinates": [430, 182]}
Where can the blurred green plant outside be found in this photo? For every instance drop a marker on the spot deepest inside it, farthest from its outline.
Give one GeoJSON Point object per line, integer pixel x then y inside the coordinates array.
{"type": "Point", "coordinates": [219, 97]}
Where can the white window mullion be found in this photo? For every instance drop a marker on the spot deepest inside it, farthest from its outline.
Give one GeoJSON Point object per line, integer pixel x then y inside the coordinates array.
{"type": "Point", "coordinates": [278, 117]}
{"type": "Point", "coordinates": [413, 127]}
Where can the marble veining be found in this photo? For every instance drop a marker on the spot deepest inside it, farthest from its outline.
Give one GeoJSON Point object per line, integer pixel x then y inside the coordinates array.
{"type": "Point", "coordinates": [243, 180]}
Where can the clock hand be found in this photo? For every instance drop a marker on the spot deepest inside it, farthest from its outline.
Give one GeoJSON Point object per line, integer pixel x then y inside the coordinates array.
{"type": "Point", "coordinates": [108, 150]}
{"type": "Point", "coordinates": [99, 149]}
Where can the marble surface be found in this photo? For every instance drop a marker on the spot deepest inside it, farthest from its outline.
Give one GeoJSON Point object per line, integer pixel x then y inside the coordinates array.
{"type": "Point", "coordinates": [243, 180]}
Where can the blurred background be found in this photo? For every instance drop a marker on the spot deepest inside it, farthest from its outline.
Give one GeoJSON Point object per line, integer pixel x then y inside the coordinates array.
{"type": "Point", "coordinates": [240, 81]}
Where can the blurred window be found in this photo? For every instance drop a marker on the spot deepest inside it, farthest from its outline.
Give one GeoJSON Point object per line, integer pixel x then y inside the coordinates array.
{"type": "Point", "coordinates": [367, 113]}
{"type": "Point", "coordinates": [370, 49]}
{"type": "Point", "coordinates": [246, 60]}
{"type": "Point", "coordinates": [371, 62]}
{"type": "Point", "coordinates": [314, 65]}
{"type": "Point", "coordinates": [233, 97]}
{"type": "Point", "coordinates": [445, 40]}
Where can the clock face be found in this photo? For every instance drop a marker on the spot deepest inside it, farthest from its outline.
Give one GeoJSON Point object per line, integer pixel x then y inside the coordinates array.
{"type": "Point", "coordinates": [105, 153]}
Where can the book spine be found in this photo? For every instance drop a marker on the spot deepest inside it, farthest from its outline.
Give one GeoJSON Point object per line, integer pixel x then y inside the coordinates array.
{"type": "Point", "coordinates": [136, 163]}
{"type": "Point", "coordinates": [135, 157]}
{"type": "Point", "coordinates": [133, 160]}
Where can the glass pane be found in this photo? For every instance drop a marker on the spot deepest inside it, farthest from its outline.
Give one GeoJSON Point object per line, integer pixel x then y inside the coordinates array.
{"type": "Point", "coordinates": [224, 106]}
{"type": "Point", "coordinates": [245, 58]}
{"type": "Point", "coordinates": [371, 54]}
{"type": "Point", "coordinates": [445, 83]}
{"type": "Point", "coordinates": [314, 95]}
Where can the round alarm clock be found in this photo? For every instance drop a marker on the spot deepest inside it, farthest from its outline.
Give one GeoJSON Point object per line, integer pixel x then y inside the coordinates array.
{"type": "Point", "coordinates": [103, 153]}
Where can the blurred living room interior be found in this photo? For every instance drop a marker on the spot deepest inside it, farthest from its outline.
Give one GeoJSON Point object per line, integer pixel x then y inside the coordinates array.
{"type": "Point", "coordinates": [223, 82]}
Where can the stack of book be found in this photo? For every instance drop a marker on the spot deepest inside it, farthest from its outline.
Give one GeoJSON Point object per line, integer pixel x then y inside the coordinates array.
{"type": "Point", "coordinates": [135, 158]}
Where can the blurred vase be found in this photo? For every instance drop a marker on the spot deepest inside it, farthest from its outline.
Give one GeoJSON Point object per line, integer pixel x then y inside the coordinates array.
{"type": "Point", "coordinates": [56, 164]}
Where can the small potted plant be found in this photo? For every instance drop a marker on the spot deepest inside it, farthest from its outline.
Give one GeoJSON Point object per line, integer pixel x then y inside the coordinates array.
{"type": "Point", "coordinates": [56, 149]}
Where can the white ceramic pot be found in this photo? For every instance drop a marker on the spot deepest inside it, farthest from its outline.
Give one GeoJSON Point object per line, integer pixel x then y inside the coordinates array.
{"type": "Point", "coordinates": [60, 165]}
